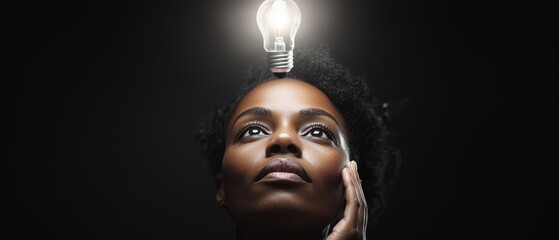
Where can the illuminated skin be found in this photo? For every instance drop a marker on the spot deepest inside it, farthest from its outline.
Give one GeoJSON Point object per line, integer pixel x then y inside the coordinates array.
{"type": "Point", "coordinates": [290, 121]}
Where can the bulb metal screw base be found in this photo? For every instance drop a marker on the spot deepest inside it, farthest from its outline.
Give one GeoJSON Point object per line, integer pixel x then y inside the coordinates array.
{"type": "Point", "coordinates": [280, 63]}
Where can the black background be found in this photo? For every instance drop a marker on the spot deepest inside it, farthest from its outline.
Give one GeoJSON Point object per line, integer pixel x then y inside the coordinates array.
{"type": "Point", "coordinates": [103, 101]}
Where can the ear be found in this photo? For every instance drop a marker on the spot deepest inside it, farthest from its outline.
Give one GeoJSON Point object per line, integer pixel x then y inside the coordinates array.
{"type": "Point", "coordinates": [220, 194]}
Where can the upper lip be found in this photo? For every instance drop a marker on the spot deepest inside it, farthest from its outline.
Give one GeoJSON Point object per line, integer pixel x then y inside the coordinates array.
{"type": "Point", "coordinates": [283, 165]}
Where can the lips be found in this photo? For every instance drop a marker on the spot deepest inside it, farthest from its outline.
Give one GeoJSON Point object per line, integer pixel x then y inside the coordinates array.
{"type": "Point", "coordinates": [283, 169]}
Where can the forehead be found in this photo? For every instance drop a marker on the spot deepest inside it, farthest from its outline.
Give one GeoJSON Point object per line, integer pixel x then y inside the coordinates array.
{"type": "Point", "coordinates": [287, 96]}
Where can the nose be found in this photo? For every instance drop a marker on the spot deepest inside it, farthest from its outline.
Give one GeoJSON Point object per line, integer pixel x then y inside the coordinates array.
{"type": "Point", "coordinates": [284, 142]}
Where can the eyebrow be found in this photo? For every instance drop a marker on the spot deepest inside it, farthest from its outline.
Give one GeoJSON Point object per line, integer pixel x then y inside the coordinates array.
{"type": "Point", "coordinates": [311, 112]}
{"type": "Point", "coordinates": [264, 112]}
{"type": "Point", "coordinates": [257, 111]}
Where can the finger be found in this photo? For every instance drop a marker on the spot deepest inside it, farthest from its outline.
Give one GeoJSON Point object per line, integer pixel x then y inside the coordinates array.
{"type": "Point", "coordinates": [355, 182]}
{"type": "Point", "coordinates": [359, 186]}
{"type": "Point", "coordinates": [351, 196]}
{"type": "Point", "coordinates": [348, 226]}
{"type": "Point", "coordinates": [361, 210]}
{"type": "Point", "coordinates": [363, 216]}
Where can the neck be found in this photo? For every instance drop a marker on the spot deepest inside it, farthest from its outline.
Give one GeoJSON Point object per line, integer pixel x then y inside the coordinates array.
{"type": "Point", "coordinates": [276, 233]}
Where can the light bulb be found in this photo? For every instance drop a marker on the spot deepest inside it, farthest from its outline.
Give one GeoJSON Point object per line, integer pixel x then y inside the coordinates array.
{"type": "Point", "coordinates": [278, 21]}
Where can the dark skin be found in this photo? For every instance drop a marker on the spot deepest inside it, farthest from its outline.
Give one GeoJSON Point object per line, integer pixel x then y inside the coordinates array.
{"type": "Point", "coordinates": [288, 120]}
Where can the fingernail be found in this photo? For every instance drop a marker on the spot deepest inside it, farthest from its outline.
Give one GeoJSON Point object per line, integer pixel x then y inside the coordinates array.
{"type": "Point", "coordinates": [355, 164]}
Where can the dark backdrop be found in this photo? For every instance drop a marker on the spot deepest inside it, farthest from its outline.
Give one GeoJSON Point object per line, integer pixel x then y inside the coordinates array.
{"type": "Point", "coordinates": [103, 101]}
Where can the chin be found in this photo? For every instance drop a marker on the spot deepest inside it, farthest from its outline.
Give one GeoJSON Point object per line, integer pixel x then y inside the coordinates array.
{"type": "Point", "coordinates": [285, 210]}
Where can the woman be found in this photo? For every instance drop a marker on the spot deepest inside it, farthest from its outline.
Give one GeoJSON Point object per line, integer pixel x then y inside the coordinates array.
{"type": "Point", "coordinates": [301, 157]}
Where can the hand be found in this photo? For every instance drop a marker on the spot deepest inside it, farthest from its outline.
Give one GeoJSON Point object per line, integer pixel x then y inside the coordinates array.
{"type": "Point", "coordinates": [354, 222]}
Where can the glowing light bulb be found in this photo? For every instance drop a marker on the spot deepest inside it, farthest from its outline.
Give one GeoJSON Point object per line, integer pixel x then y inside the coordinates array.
{"type": "Point", "coordinates": [278, 21]}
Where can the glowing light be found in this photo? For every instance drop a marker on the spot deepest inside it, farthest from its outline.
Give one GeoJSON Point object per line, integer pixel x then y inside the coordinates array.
{"type": "Point", "coordinates": [278, 21]}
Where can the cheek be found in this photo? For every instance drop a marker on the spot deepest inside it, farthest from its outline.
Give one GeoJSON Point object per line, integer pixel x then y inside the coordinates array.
{"type": "Point", "coordinates": [327, 176]}
{"type": "Point", "coordinates": [328, 164]}
{"type": "Point", "coordinates": [239, 162]}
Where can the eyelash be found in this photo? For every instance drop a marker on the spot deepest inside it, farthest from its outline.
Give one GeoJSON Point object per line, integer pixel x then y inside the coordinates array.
{"type": "Point", "coordinates": [326, 130]}
{"type": "Point", "coordinates": [249, 126]}
{"type": "Point", "coordinates": [329, 133]}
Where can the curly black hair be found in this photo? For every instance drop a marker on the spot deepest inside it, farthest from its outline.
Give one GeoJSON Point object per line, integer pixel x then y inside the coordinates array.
{"type": "Point", "coordinates": [364, 114]}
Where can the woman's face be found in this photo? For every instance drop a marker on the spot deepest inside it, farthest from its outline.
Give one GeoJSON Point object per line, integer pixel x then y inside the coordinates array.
{"type": "Point", "coordinates": [286, 145]}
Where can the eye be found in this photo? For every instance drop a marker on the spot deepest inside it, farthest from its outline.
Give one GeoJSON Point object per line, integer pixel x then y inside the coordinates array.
{"type": "Point", "coordinates": [319, 132]}
{"type": "Point", "coordinates": [253, 131]}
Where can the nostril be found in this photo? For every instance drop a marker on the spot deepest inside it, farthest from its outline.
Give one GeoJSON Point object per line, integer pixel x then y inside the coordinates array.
{"type": "Point", "coordinates": [275, 148]}
{"type": "Point", "coordinates": [283, 149]}
{"type": "Point", "coordinates": [292, 148]}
